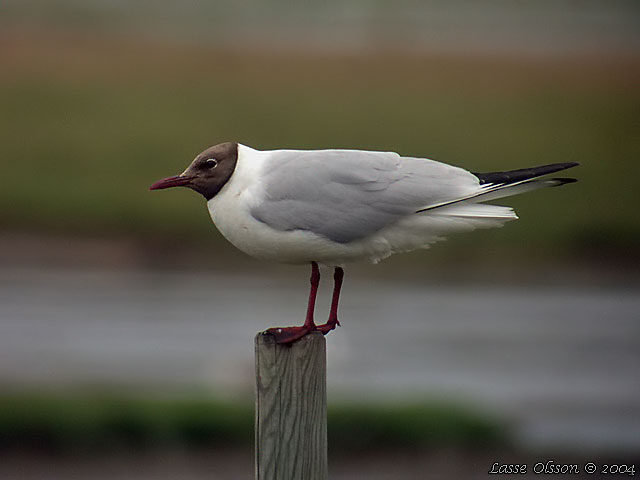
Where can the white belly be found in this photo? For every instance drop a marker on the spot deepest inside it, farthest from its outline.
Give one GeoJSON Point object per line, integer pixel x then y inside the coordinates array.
{"type": "Point", "coordinates": [258, 240]}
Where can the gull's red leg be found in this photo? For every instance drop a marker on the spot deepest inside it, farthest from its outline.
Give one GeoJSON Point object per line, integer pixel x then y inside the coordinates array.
{"type": "Point", "coordinates": [291, 334]}
{"type": "Point", "coordinates": [313, 293]}
{"type": "Point", "coordinates": [333, 322]}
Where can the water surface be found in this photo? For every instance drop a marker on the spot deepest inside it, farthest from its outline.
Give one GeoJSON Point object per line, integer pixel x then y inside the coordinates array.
{"type": "Point", "coordinates": [562, 364]}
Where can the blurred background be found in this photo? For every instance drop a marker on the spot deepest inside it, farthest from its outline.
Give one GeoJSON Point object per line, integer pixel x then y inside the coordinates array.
{"type": "Point", "coordinates": [127, 322]}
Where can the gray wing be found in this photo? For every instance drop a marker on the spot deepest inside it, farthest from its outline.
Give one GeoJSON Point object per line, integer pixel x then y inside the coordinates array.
{"type": "Point", "coordinates": [346, 195]}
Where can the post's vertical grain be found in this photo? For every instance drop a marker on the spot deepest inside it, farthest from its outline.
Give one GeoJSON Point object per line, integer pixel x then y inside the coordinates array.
{"type": "Point", "coordinates": [291, 409]}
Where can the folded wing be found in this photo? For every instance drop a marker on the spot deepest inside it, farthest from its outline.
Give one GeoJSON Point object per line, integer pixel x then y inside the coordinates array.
{"type": "Point", "coordinates": [347, 195]}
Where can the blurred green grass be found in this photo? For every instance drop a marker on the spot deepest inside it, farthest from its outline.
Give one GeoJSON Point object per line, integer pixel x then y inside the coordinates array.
{"type": "Point", "coordinates": [89, 422]}
{"type": "Point", "coordinates": [87, 127]}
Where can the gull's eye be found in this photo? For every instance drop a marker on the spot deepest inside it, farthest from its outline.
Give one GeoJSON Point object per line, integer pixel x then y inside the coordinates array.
{"type": "Point", "coordinates": [211, 163]}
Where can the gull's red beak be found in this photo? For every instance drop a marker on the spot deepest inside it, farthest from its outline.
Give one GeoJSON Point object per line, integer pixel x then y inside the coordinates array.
{"type": "Point", "coordinates": [177, 181]}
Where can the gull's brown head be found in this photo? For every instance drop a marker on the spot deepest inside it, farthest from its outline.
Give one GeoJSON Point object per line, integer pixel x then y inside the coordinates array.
{"type": "Point", "coordinates": [208, 173]}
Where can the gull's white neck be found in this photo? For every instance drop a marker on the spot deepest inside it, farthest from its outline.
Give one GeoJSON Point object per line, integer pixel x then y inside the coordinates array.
{"type": "Point", "coordinates": [230, 208]}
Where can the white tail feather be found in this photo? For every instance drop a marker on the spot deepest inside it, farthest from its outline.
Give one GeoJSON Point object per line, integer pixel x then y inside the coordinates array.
{"type": "Point", "coordinates": [476, 210]}
{"type": "Point", "coordinates": [493, 191]}
{"type": "Point", "coordinates": [516, 189]}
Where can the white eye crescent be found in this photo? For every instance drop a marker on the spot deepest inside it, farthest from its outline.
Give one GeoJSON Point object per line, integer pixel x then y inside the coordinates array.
{"type": "Point", "coordinates": [211, 163]}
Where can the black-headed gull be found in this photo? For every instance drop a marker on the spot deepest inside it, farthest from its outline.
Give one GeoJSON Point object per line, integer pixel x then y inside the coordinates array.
{"type": "Point", "coordinates": [340, 206]}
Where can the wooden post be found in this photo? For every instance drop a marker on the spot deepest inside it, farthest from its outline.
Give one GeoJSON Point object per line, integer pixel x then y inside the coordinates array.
{"type": "Point", "coordinates": [291, 409]}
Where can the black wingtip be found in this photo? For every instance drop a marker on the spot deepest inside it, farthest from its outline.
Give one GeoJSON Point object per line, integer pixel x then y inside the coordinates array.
{"type": "Point", "coordinates": [564, 166]}
{"type": "Point", "coordinates": [513, 176]}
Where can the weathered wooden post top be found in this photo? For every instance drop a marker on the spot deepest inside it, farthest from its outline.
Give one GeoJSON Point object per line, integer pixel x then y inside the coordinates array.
{"type": "Point", "coordinates": [291, 408]}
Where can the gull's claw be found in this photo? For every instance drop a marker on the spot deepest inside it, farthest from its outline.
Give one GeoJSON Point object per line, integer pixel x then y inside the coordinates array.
{"type": "Point", "coordinates": [327, 327]}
